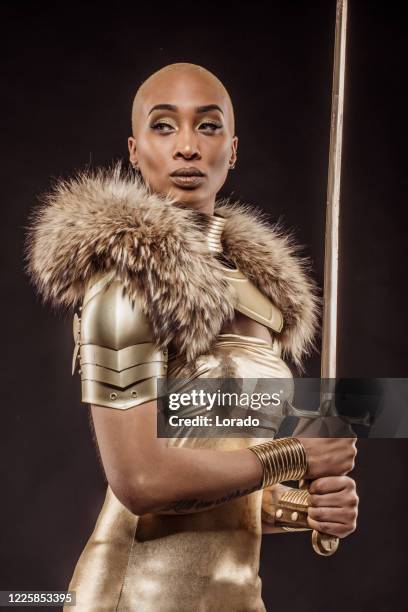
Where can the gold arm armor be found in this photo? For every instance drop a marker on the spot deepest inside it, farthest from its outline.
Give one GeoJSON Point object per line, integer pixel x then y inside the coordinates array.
{"type": "Point", "coordinates": [114, 349]}
{"type": "Point", "coordinates": [290, 513]}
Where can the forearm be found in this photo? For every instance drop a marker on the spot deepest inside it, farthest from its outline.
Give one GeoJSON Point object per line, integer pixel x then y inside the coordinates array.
{"type": "Point", "coordinates": [271, 494]}
{"type": "Point", "coordinates": [194, 480]}
{"type": "Point", "coordinates": [149, 476]}
{"type": "Point", "coordinates": [203, 479]}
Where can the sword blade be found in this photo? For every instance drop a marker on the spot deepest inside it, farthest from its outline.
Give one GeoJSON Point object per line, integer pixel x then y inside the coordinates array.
{"type": "Point", "coordinates": [330, 290]}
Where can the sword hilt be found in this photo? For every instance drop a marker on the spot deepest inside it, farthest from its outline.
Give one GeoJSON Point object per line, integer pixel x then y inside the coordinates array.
{"type": "Point", "coordinates": [290, 513]}
{"type": "Point", "coordinates": [323, 543]}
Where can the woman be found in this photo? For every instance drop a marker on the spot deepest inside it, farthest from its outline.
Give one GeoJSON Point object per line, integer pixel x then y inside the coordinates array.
{"type": "Point", "coordinates": [173, 282]}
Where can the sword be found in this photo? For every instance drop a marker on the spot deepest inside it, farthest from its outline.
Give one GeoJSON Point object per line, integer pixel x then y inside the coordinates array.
{"type": "Point", "coordinates": [324, 544]}
{"type": "Point", "coordinates": [331, 253]}
{"type": "Point", "coordinates": [293, 505]}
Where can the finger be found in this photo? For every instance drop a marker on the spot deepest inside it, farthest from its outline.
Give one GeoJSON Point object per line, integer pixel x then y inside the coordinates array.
{"type": "Point", "coordinates": [331, 515]}
{"type": "Point", "coordinates": [328, 484]}
{"type": "Point", "coordinates": [327, 500]}
{"type": "Point", "coordinates": [335, 529]}
{"type": "Point", "coordinates": [341, 499]}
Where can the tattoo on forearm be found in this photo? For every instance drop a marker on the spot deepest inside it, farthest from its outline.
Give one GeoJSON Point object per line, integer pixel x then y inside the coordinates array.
{"type": "Point", "coordinates": [185, 505]}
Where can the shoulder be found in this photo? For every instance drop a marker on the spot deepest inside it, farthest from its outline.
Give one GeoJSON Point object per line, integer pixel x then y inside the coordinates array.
{"type": "Point", "coordinates": [92, 222]}
{"type": "Point", "coordinates": [110, 317]}
{"type": "Point", "coordinates": [95, 223]}
{"type": "Point", "coordinates": [269, 254]}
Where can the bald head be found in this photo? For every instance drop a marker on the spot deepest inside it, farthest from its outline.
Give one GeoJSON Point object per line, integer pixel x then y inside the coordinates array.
{"type": "Point", "coordinates": [191, 81]}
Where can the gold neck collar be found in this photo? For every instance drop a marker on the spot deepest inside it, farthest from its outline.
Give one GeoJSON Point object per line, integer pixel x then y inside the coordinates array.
{"type": "Point", "coordinates": [213, 232]}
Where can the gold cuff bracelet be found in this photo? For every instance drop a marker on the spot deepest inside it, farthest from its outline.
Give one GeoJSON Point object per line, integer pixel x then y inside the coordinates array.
{"type": "Point", "coordinates": [291, 511]}
{"type": "Point", "coordinates": [282, 460]}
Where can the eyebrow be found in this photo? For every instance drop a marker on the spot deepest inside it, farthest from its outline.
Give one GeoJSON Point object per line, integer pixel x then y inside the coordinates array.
{"type": "Point", "coordinates": [198, 109]}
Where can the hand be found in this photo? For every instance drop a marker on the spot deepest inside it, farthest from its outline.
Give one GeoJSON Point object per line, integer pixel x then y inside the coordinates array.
{"type": "Point", "coordinates": [333, 505]}
{"type": "Point", "coordinates": [329, 456]}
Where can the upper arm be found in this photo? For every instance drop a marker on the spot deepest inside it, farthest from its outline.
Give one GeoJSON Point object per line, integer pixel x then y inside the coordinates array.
{"type": "Point", "coordinates": [120, 367]}
{"type": "Point", "coordinates": [130, 451]}
{"type": "Point", "coordinates": [119, 362]}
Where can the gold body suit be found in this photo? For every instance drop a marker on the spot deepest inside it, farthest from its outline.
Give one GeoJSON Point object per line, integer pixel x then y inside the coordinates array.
{"type": "Point", "coordinates": [200, 562]}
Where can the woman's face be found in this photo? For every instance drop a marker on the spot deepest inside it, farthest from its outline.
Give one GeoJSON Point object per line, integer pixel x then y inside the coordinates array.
{"type": "Point", "coordinates": [184, 121]}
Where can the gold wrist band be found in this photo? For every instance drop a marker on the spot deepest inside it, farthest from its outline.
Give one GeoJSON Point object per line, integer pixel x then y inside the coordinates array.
{"type": "Point", "coordinates": [282, 460]}
{"type": "Point", "coordinates": [291, 515]}
{"type": "Point", "coordinates": [291, 511]}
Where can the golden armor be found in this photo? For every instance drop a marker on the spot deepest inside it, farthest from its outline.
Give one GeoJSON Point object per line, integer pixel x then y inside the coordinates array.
{"type": "Point", "coordinates": [118, 360]}
{"type": "Point", "coordinates": [114, 348]}
{"type": "Point", "coordinates": [145, 273]}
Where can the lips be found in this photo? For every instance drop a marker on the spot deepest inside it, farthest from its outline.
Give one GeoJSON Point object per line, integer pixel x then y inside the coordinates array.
{"type": "Point", "coordinates": [187, 171]}
{"type": "Point", "coordinates": [188, 177]}
{"type": "Point", "coordinates": [189, 181]}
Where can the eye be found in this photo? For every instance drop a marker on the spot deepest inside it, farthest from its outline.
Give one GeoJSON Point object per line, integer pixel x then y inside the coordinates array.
{"type": "Point", "coordinates": [211, 126]}
{"type": "Point", "coordinates": [159, 126]}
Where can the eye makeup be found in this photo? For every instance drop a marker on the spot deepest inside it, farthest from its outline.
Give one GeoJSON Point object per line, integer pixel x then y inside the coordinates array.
{"type": "Point", "coordinates": [210, 124]}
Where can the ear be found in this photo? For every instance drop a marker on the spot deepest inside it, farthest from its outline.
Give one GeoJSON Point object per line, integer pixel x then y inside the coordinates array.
{"type": "Point", "coordinates": [132, 150]}
{"type": "Point", "coordinates": [234, 148]}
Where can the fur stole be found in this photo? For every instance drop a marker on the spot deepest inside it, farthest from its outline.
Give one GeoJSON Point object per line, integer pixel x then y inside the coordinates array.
{"type": "Point", "coordinates": [105, 220]}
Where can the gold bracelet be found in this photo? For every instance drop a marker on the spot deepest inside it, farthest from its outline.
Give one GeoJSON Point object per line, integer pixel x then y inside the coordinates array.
{"type": "Point", "coordinates": [291, 514]}
{"type": "Point", "coordinates": [291, 511]}
{"type": "Point", "coordinates": [282, 460]}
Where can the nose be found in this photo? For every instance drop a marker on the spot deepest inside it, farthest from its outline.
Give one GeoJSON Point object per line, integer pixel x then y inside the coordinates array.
{"type": "Point", "coordinates": [187, 145]}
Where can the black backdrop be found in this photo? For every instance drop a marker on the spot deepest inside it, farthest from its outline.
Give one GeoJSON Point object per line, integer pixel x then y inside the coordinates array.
{"type": "Point", "coordinates": [68, 77]}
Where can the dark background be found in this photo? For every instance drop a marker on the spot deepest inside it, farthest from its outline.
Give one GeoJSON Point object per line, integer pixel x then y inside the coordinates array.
{"type": "Point", "coordinates": [68, 78]}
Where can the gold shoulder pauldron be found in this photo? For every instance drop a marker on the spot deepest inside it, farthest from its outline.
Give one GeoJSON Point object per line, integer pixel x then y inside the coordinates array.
{"type": "Point", "coordinates": [251, 302]}
{"type": "Point", "coordinates": [114, 349]}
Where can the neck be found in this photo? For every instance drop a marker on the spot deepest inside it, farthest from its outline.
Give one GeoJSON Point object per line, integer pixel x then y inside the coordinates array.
{"type": "Point", "coordinates": [204, 206]}
{"type": "Point", "coordinates": [213, 232]}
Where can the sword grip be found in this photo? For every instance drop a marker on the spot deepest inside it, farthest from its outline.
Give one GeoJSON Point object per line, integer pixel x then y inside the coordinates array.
{"type": "Point", "coordinates": [323, 544]}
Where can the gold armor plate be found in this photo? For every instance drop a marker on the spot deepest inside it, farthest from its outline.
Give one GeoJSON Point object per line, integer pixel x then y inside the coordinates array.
{"type": "Point", "coordinates": [251, 302]}
{"type": "Point", "coordinates": [119, 362]}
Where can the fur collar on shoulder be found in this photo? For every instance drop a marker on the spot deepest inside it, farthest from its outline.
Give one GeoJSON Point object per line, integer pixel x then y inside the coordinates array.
{"type": "Point", "coordinates": [105, 220]}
